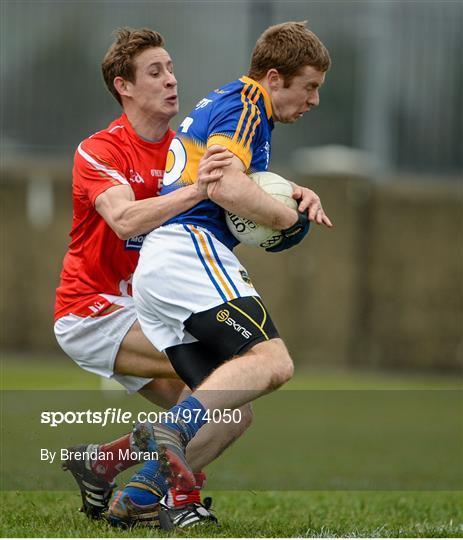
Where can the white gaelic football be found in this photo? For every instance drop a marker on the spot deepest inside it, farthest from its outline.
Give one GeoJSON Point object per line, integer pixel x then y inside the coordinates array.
{"type": "Point", "coordinates": [250, 233]}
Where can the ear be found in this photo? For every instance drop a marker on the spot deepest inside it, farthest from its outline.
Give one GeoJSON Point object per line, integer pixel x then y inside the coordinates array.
{"type": "Point", "coordinates": [274, 79]}
{"type": "Point", "coordinates": [122, 86]}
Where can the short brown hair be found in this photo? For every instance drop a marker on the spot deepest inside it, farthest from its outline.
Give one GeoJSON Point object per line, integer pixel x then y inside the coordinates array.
{"type": "Point", "coordinates": [118, 61]}
{"type": "Point", "coordinates": [288, 47]}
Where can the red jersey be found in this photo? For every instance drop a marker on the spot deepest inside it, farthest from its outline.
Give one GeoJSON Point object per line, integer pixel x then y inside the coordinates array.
{"type": "Point", "coordinates": [98, 262]}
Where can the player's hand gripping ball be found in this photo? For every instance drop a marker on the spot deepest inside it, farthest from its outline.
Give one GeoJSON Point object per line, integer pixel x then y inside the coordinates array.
{"type": "Point", "coordinates": [251, 233]}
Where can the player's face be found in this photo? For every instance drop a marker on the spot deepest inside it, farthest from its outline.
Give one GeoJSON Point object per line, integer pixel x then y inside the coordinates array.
{"type": "Point", "coordinates": [155, 88]}
{"type": "Point", "coordinates": [290, 104]}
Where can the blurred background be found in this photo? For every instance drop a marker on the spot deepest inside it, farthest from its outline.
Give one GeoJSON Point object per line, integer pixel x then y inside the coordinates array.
{"type": "Point", "coordinates": [381, 291]}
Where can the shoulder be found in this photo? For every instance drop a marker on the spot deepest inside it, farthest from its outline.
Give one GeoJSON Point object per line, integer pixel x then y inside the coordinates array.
{"type": "Point", "coordinates": [105, 146]}
{"type": "Point", "coordinates": [115, 134]}
{"type": "Point", "coordinates": [226, 97]}
{"type": "Point", "coordinates": [242, 91]}
{"type": "Point", "coordinates": [236, 99]}
{"type": "Point", "coordinates": [236, 108]}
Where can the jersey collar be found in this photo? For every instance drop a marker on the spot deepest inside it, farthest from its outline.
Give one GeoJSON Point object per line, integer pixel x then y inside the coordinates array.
{"type": "Point", "coordinates": [267, 102]}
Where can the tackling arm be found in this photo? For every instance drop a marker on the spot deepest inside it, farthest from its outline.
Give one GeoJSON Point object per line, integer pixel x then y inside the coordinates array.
{"type": "Point", "coordinates": [128, 217]}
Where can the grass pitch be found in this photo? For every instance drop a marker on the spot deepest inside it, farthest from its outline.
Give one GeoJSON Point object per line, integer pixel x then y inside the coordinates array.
{"type": "Point", "coordinates": [244, 513]}
{"type": "Point", "coordinates": [261, 514]}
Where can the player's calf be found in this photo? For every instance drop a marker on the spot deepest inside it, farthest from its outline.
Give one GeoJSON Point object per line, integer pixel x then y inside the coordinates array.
{"type": "Point", "coordinates": [169, 439]}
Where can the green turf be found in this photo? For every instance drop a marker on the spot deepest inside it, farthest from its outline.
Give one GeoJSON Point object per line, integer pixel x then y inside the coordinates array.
{"type": "Point", "coordinates": [267, 514]}
{"type": "Point", "coordinates": [248, 513]}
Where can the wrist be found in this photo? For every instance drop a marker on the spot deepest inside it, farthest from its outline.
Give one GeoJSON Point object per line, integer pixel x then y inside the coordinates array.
{"type": "Point", "coordinates": [196, 194]}
{"type": "Point", "coordinates": [290, 219]}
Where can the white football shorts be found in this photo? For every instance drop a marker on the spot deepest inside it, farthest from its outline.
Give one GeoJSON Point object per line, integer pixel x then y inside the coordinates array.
{"type": "Point", "coordinates": [93, 342]}
{"type": "Point", "coordinates": [183, 269]}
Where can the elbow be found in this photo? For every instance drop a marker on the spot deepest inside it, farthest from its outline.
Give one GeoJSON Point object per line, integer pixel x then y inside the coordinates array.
{"type": "Point", "coordinates": [122, 235]}
{"type": "Point", "coordinates": [124, 230]}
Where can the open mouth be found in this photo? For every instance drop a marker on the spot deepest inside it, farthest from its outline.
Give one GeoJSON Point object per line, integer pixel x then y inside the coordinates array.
{"type": "Point", "coordinates": [172, 99]}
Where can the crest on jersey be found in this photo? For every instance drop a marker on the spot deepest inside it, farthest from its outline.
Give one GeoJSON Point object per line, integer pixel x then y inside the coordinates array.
{"type": "Point", "coordinates": [245, 277]}
{"type": "Point", "coordinates": [136, 177]}
{"type": "Point", "coordinates": [203, 103]}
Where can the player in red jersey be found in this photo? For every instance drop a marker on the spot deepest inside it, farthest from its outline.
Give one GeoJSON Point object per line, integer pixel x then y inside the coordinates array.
{"type": "Point", "coordinates": [116, 179]}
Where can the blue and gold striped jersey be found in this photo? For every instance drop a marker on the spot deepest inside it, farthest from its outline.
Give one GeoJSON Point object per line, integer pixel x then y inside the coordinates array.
{"type": "Point", "coordinates": [237, 116]}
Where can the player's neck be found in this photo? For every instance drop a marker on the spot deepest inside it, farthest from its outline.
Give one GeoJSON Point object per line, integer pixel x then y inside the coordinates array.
{"type": "Point", "coordinates": [150, 128]}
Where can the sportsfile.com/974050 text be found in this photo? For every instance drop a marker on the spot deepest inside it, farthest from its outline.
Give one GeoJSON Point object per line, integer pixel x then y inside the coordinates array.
{"type": "Point", "coordinates": [113, 415]}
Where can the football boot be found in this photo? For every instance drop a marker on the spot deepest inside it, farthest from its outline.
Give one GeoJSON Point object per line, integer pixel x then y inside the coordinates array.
{"type": "Point", "coordinates": [95, 491]}
{"type": "Point", "coordinates": [187, 515]}
{"type": "Point", "coordinates": [125, 513]}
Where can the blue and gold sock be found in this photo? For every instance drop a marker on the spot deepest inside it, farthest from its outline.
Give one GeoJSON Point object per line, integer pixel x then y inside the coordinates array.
{"type": "Point", "coordinates": [148, 485]}
{"type": "Point", "coordinates": [187, 417]}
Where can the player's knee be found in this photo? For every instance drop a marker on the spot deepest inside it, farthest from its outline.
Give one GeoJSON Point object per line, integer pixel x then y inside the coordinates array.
{"type": "Point", "coordinates": [246, 417]}
{"type": "Point", "coordinates": [282, 372]}
{"type": "Point", "coordinates": [288, 370]}
{"type": "Point", "coordinates": [275, 361]}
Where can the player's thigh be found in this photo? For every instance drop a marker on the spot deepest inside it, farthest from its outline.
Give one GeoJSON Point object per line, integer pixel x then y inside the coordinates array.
{"type": "Point", "coordinates": [138, 356]}
{"type": "Point", "coordinates": [165, 392]}
{"type": "Point", "coordinates": [136, 342]}
{"type": "Point", "coordinates": [275, 352]}
{"type": "Point", "coordinates": [250, 338]}
{"type": "Point", "coordinates": [194, 362]}
{"type": "Point", "coordinates": [235, 327]}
